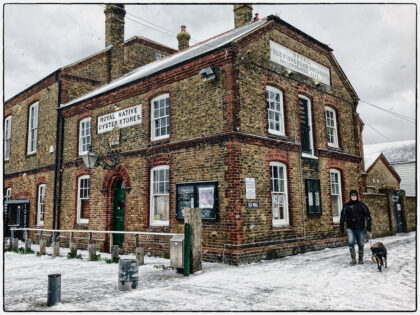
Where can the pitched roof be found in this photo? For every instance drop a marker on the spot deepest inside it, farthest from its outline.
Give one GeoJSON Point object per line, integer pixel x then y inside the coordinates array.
{"type": "Point", "coordinates": [395, 152]}
{"type": "Point", "coordinates": [384, 160]}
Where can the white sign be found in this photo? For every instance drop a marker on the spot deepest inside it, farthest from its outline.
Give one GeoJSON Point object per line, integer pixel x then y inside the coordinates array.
{"type": "Point", "coordinates": [296, 62]}
{"type": "Point", "coordinates": [123, 118]}
{"type": "Point", "coordinates": [250, 188]}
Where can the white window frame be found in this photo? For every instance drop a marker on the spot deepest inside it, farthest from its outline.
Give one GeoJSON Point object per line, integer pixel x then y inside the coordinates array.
{"type": "Point", "coordinates": [153, 118]}
{"type": "Point", "coordinates": [79, 198]}
{"type": "Point", "coordinates": [41, 204]}
{"type": "Point", "coordinates": [85, 133]}
{"type": "Point", "coordinates": [7, 136]}
{"type": "Point", "coordinates": [152, 220]}
{"type": "Point", "coordinates": [336, 219]}
{"type": "Point", "coordinates": [280, 112]}
{"type": "Point", "coordinates": [8, 195]}
{"type": "Point", "coordinates": [335, 133]}
{"type": "Point", "coordinates": [285, 221]}
{"type": "Point", "coordinates": [311, 133]}
{"type": "Point", "coordinates": [33, 127]}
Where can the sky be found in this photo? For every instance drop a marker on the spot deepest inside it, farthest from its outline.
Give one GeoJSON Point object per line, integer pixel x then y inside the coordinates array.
{"type": "Point", "coordinates": [375, 44]}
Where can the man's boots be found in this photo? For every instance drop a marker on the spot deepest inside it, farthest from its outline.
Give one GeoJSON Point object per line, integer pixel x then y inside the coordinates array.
{"type": "Point", "coordinates": [361, 256]}
{"type": "Point", "coordinates": [353, 256]}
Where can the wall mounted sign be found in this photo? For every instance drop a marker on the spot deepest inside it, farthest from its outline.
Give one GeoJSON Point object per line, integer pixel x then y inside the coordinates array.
{"type": "Point", "coordinates": [252, 204]}
{"type": "Point", "coordinates": [123, 118]}
{"type": "Point", "coordinates": [250, 188]}
{"type": "Point", "coordinates": [296, 62]}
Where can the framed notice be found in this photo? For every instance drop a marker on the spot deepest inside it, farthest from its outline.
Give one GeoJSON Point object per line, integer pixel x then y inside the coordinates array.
{"type": "Point", "coordinates": [201, 195]}
{"type": "Point", "coordinates": [250, 188]}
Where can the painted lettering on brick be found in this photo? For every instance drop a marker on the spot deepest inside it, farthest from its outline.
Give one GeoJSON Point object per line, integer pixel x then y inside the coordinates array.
{"type": "Point", "coordinates": [122, 119]}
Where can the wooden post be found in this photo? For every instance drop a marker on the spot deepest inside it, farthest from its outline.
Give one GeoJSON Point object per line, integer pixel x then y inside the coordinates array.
{"type": "Point", "coordinates": [14, 241]}
{"type": "Point", "coordinates": [193, 216]}
{"type": "Point", "coordinates": [140, 255]}
{"type": "Point", "coordinates": [111, 242]}
{"type": "Point", "coordinates": [42, 244]}
{"type": "Point", "coordinates": [115, 251]}
{"type": "Point", "coordinates": [28, 244]}
{"type": "Point", "coordinates": [73, 245]}
{"type": "Point", "coordinates": [91, 248]}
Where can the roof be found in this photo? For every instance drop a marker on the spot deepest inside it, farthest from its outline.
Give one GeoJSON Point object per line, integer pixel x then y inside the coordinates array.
{"type": "Point", "coordinates": [395, 152]}
{"type": "Point", "coordinates": [384, 160]}
{"type": "Point", "coordinates": [172, 60]}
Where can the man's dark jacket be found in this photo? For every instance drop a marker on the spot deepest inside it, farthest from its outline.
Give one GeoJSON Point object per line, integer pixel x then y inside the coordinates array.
{"type": "Point", "coordinates": [355, 213]}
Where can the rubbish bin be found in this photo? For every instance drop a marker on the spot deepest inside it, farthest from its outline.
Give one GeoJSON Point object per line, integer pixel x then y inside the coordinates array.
{"type": "Point", "coordinates": [177, 251]}
{"type": "Point", "coordinates": [128, 274]}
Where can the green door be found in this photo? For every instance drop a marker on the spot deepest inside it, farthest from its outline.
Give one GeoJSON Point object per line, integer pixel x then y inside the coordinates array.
{"type": "Point", "coordinates": [118, 215]}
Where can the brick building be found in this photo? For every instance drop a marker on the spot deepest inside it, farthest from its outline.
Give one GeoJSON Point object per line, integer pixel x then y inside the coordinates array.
{"type": "Point", "coordinates": [257, 127]}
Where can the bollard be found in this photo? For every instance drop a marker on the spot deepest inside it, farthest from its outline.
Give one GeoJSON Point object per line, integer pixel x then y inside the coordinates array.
{"type": "Point", "coordinates": [56, 249]}
{"type": "Point", "coordinates": [73, 249]}
{"type": "Point", "coordinates": [28, 244]}
{"type": "Point", "coordinates": [7, 243]}
{"type": "Point", "coordinates": [128, 274]}
{"type": "Point", "coordinates": [91, 252]}
{"type": "Point", "coordinates": [42, 247]}
{"type": "Point", "coordinates": [140, 255]}
{"type": "Point", "coordinates": [115, 251]}
{"type": "Point", "coordinates": [54, 289]}
{"type": "Point", "coordinates": [187, 249]}
{"type": "Point", "coordinates": [15, 243]}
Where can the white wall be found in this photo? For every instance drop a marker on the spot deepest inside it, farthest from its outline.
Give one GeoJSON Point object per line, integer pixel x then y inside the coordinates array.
{"type": "Point", "coordinates": [407, 172]}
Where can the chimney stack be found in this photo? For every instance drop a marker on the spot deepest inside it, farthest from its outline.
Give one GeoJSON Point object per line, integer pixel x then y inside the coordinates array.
{"type": "Point", "coordinates": [242, 13]}
{"type": "Point", "coordinates": [183, 38]}
{"type": "Point", "coordinates": [114, 35]}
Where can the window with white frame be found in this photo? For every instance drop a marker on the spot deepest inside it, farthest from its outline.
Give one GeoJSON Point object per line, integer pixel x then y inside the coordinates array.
{"type": "Point", "coordinates": [83, 199]}
{"type": "Point", "coordinates": [159, 195]}
{"type": "Point", "coordinates": [336, 197]}
{"type": "Point", "coordinates": [305, 114]}
{"type": "Point", "coordinates": [274, 98]}
{"type": "Point", "coordinates": [41, 204]}
{"type": "Point", "coordinates": [7, 136]}
{"type": "Point", "coordinates": [160, 117]}
{"type": "Point", "coordinates": [278, 185]}
{"type": "Point", "coordinates": [32, 128]}
{"type": "Point", "coordinates": [84, 136]}
{"type": "Point", "coordinates": [331, 122]}
{"type": "Point", "coordinates": [8, 195]}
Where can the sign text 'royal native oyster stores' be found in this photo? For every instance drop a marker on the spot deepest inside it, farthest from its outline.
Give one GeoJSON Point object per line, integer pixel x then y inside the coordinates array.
{"type": "Point", "coordinates": [123, 118]}
{"type": "Point", "coordinates": [296, 62]}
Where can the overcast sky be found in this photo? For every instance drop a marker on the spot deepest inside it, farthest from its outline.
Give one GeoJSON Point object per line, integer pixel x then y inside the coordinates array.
{"type": "Point", "coordinates": [375, 45]}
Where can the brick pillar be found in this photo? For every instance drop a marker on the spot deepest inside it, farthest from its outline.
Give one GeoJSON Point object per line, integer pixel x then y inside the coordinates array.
{"type": "Point", "coordinates": [242, 14]}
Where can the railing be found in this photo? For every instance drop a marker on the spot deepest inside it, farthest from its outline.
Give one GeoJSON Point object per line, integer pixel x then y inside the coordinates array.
{"type": "Point", "coordinates": [90, 232]}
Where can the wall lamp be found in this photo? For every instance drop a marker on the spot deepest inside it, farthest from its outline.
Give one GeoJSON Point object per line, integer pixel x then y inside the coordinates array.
{"type": "Point", "coordinates": [91, 161]}
{"type": "Point", "coordinates": [208, 73]}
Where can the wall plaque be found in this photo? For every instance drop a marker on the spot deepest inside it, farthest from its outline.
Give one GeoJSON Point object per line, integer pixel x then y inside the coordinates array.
{"type": "Point", "coordinates": [121, 119]}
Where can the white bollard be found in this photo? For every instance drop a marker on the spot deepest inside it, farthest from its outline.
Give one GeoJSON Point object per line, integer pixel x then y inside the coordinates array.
{"type": "Point", "coordinates": [91, 252]}
{"type": "Point", "coordinates": [56, 249]}
{"type": "Point", "coordinates": [140, 255]}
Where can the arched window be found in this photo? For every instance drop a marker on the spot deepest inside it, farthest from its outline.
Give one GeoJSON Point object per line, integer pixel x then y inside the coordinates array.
{"type": "Point", "coordinates": [274, 98]}
{"type": "Point", "coordinates": [278, 187]}
{"type": "Point", "coordinates": [336, 196]}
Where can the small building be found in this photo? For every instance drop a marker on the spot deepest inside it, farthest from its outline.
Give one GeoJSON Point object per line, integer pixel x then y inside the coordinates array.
{"type": "Point", "coordinates": [381, 174]}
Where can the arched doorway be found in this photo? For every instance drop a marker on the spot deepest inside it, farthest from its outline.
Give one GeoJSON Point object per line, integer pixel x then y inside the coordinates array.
{"type": "Point", "coordinates": [118, 210]}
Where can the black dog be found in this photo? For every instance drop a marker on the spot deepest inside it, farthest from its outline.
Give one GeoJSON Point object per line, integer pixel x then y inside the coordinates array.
{"type": "Point", "coordinates": [379, 255]}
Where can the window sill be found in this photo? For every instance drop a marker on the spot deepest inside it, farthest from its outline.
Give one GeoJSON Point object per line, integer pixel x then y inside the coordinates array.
{"type": "Point", "coordinates": [282, 226]}
{"type": "Point", "coordinates": [157, 225]}
{"type": "Point", "coordinates": [160, 139]}
{"type": "Point", "coordinates": [309, 156]}
{"type": "Point", "coordinates": [333, 148]}
{"type": "Point", "coordinates": [28, 155]}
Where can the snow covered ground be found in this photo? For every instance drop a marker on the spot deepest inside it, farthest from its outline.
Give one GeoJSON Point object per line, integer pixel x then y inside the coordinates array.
{"type": "Point", "coordinates": [321, 280]}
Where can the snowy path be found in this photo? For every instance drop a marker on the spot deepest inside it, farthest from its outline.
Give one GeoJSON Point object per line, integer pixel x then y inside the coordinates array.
{"type": "Point", "coordinates": [320, 280]}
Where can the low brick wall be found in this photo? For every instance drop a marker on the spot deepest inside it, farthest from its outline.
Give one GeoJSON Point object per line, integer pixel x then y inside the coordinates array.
{"type": "Point", "coordinates": [411, 210]}
{"type": "Point", "coordinates": [378, 205]}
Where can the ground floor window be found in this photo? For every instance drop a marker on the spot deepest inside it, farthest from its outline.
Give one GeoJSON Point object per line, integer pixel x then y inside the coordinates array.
{"type": "Point", "coordinates": [336, 197]}
{"type": "Point", "coordinates": [159, 196]}
{"type": "Point", "coordinates": [278, 183]}
{"type": "Point", "coordinates": [83, 199]}
{"type": "Point", "coordinates": [41, 204]}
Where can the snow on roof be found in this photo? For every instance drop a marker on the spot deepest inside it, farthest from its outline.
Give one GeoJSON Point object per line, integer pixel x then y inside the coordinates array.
{"type": "Point", "coordinates": [172, 60]}
{"type": "Point", "coordinates": [395, 152]}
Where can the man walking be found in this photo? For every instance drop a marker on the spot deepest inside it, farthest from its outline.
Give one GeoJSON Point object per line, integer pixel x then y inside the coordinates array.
{"type": "Point", "coordinates": [357, 218]}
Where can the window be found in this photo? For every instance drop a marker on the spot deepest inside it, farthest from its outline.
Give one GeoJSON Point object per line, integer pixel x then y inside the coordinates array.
{"type": "Point", "coordinates": [8, 194]}
{"type": "Point", "coordinates": [313, 197]}
{"type": "Point", "coordinates": [274, 99]}
{"type": "Point", "coordinates": [7, 135]}
{"type": "Point", "coordinates": [83, 199]}
{"type": "Point", "coordinates": [84, 136]}
{"type": "Point", "coordinates": [32, 128]}
{"type": "Point", "coordinates": [201, 195]}
{"type": "Point", "coordinates": [13, 215]}
{"type": "Point", "coordinates": [159, 196]}
{"type": "Point", "coordinates": [160, 117]}
{"type": "Point", "coordinates": [41, 204]}
{"type": "Point", "coordinates": [306, 125]}
{"type": "Point", "coordinates": [336, 197]}
{"type": "Point", "coordinates": [331, 122]}
{"type": "Point", "coordinates": [278, 183]}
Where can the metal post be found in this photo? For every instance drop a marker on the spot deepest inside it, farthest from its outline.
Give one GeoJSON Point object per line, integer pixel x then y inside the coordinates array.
{"type": "Point", "coordinates": [137, 240]}
{"type": "Point", "coordinates": [111, 242]}
{"type": "Point", "coordinates": [90, 238]}
{"type": "Point", "coordinates": [54, 289]}
{"type": "Point", "coordinates": [187, 249]}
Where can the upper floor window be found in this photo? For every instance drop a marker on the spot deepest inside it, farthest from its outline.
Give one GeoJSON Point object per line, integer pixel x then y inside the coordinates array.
{"type": "Point", "coordinates": [84, 136]}
{"type": "Point", "coordinates": [83, 199]}
{"type": "Point", "coordinates": [159, 195]}
{"type": "Point", "coordinates": [331, 122]}
{"type": "Point", "coordinates": [41, 204]}
{"type": "Point", "coordinates": [274, 98]}
{"type": "Point", "coordinates": [8, 194]}
{"type": "Point", "coordinates": [336, 197]}
{"type": "Point", "coordinates": [278, 186]}
{"type": "Point", "coordinates": [160, 117]}
{"type": "Point", "coordinates": [7, 136]}
{"type": "Point", "coordinates": [306, 132]}
{"type": "Point", "coordinates": [32, 128]}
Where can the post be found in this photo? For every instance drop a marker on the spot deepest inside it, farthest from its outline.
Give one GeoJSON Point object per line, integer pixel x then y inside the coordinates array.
{"type": "Point", "coordinates": [28, 244]}
{"type": "Point", "coordinates": [54, 289]}
{"type": "Point", "coordinates": [140, 255]}
{"type": "Point", "coordinates": [55, 246]}
{"type": "Point", "coordinates": [115, 251]}
{"type": "Point", "coordinates": [42, 245]}
{"type": "Point", "coordinates": [73, 246]}
{"type": "Point", "coordinates": [187, 249]}
{"type": "Point", "coordinates": [193, 216]}
{"type": "Point", "coordinates": [14, 241]}
{"type": "Point", "coordinates": [111, 242]}
{"type": "Point", "coordinates": [91, 248]}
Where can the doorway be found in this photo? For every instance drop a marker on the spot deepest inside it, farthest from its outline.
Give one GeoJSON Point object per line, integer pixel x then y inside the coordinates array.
{"type": "Point", "coordinates": [118, 211]}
